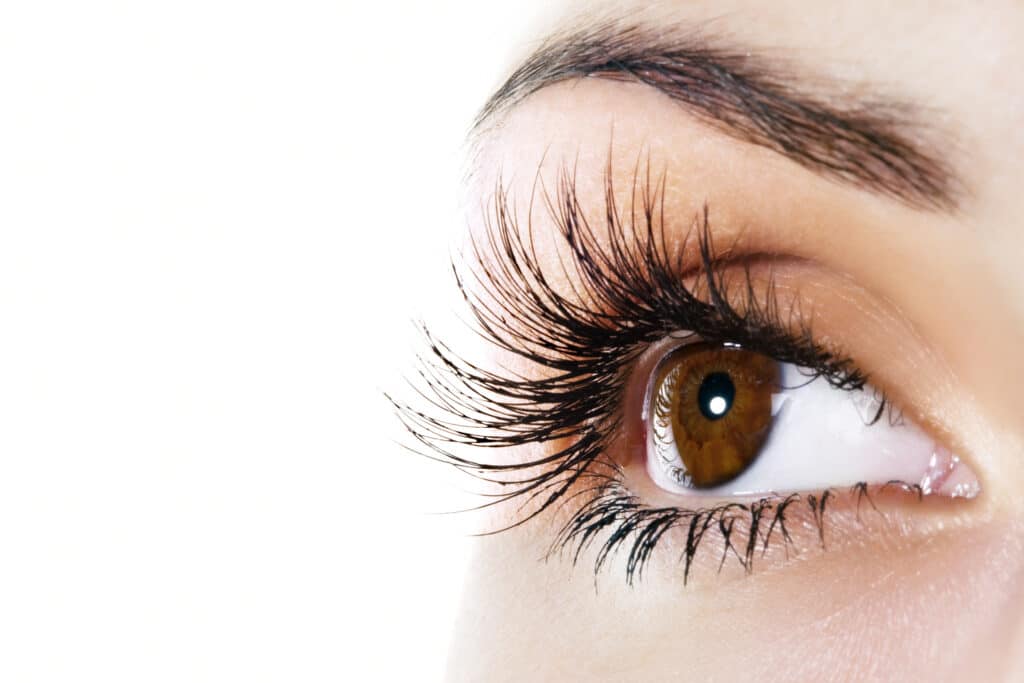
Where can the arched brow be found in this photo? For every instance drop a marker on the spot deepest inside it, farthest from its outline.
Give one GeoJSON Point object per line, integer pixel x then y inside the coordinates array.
{"type": "Point", "coordinates": [877, 145]}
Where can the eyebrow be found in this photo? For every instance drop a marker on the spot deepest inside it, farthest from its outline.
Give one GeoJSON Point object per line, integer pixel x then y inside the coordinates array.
{"type": "Point", "coordinates": [875, 144]}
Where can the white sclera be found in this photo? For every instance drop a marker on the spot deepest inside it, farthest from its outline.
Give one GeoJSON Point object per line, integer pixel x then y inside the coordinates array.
{"type": "Point", "coordinates": [821, 437]}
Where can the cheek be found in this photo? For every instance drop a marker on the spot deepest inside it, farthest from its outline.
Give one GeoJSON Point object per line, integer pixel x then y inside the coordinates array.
{"type": "Point", "coordinates": [896, 611]}
{"type": "Point", "coordinates": [899, 611]}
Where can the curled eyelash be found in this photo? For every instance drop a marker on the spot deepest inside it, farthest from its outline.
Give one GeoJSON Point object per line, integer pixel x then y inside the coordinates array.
{"type": "Point", "coordinates": [623, 295]}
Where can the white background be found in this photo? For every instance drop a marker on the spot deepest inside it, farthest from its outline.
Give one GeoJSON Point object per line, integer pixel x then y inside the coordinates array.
{"type": "Point", "coordinates": [216, 219]}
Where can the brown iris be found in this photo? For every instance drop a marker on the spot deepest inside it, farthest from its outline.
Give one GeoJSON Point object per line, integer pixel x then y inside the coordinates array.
{"type": "Point", "coordinates": [715, 403]}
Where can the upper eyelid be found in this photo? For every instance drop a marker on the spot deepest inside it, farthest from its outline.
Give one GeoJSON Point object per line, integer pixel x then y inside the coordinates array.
{"type": "Point", "coordinates": [587, 385]}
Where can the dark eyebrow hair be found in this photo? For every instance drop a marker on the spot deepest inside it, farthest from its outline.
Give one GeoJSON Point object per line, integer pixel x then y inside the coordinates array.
{"type": "Point", "coordinates": [872, 143]}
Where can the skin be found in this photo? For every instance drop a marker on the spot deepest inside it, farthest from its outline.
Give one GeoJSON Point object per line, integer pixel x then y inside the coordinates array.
{"type": "Point", "coordinates": [930, 303]}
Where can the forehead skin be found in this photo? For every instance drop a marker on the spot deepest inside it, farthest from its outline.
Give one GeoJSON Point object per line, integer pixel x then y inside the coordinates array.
{"type": "Point", "coordinates": [955, 275]}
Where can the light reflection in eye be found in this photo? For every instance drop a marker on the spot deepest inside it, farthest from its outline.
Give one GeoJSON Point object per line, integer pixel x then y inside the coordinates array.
{"type": "Point", "coordinates": [717, 405]}
{"type": "Point", "coordinates": [725, 421]}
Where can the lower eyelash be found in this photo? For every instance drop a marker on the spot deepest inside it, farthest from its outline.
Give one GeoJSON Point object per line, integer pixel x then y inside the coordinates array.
{"type": "Point", "coordinates": [622, 523]}
{"type": "Point", "coordinates": [627, 296]}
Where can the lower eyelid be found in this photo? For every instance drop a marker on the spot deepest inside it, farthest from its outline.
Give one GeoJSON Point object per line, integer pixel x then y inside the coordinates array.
{"type": "Point", "coordinates": [706, 544]}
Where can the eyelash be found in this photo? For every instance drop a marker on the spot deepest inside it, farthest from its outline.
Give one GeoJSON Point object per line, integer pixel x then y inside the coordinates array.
{"type": "Point", "coordinates": [629, 295]}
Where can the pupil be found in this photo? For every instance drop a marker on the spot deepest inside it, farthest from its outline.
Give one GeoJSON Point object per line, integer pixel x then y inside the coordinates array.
{"type": "Point", "coordinates": [716, 395]}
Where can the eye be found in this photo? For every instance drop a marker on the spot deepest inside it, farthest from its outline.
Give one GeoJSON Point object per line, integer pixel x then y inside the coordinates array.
{"type": "Point", "coordinates": [660, 387]}
{"type": "Point", "coordinates": [722, 420]}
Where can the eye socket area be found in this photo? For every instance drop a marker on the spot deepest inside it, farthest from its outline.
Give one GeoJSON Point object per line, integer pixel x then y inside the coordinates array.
{"type": "Point", "coordinates": [722, 421]}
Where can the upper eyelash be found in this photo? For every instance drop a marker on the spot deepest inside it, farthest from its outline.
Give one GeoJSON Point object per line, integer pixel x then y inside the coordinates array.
{"type": "Point", "coordinates": [627, 296]}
